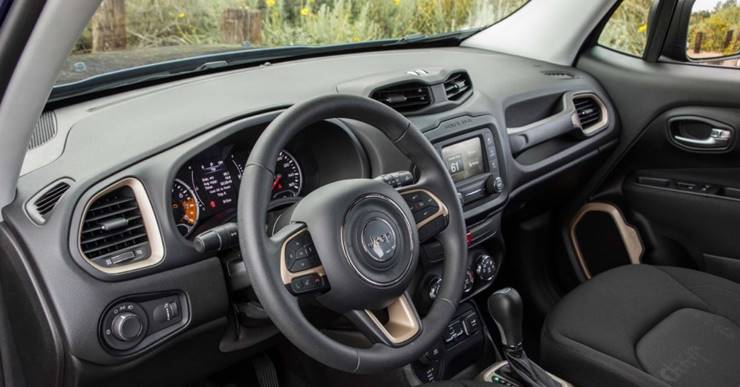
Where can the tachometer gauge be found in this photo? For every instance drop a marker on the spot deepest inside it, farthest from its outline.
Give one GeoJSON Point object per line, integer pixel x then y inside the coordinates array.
{"type": "Point", "coordinates": [184, 207]}
{"type": "Point", "coordinates": [288, 177]}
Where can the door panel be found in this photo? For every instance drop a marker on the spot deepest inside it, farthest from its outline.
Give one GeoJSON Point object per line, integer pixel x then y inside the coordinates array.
{"type": "Point", "coordinates": [676, 173]}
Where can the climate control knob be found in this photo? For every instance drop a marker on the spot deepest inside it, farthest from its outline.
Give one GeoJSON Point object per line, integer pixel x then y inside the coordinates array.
{"type": "Point", "coordinates": [485, 267]}
{"type": "Point", "coordinates": [127, 326]}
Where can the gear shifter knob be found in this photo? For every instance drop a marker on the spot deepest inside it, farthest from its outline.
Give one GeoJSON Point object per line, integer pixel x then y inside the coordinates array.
{"type": "Point", "coordinates": [505, 307]}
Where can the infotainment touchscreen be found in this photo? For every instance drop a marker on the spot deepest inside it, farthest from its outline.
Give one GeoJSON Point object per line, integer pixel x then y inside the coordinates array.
{"type": "Point", "coordinates": [464, 159]}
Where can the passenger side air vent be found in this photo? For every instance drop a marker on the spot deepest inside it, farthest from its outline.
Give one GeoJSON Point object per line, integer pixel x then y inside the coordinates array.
{"type": "Point", "coordinates": [591, 112]}
{"type": "Point", "coordinates": [119, 231]}
{"type": "Point", "coordinates": [457, 86]}
{"type": "Point", "coordinates": [40, 207]}
{"type": "Point", "coordinates": [406, 97]}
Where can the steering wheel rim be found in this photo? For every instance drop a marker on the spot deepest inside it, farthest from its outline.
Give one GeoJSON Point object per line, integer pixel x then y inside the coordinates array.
{"type": "Point", "coordinates": [259, 251]}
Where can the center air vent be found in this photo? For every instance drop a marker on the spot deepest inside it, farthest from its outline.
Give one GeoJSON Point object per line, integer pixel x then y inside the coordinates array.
{"type": "Point", "coordinates": [119, 231]}
{"type": "Point", "coordinates": [591, 113]}
{"type": "Point", "coordinates": [405, 97]}
{"type": "Point", "coordinates": [457, 86]}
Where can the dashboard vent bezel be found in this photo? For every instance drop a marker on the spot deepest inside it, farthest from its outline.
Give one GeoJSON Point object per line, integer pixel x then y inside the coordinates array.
{"type": "Point", "coordinates": [593, 125]}
{"type": "Point", "coordinates": [397, 96]}
{"type": "Point", "coordinates": [41, 206]}
{"type": "Point", "coordinates": [148, 220]}
{"type": "Point", "coordinates": [461, 87]}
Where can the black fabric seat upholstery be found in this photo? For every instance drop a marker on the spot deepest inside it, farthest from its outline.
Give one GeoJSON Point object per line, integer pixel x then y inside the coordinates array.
{"type": "Point", "coordinates": [641, 325]}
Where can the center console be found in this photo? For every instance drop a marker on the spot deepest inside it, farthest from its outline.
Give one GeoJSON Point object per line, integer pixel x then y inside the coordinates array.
{"type": "Point", "coordinates": [472, 160]}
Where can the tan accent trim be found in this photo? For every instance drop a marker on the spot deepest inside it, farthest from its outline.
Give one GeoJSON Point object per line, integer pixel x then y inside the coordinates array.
{"type": "Point", "coordinates": [151, 227]}
{"type": "Point", "coordinates": [489, 373]}
{"type": "Point", "coordinates": [630, 236]}
{"type": "Point", "coordinates": [403, 321]}
{"type": "Point", "coordinates": [442, 208]}
{"type": "Point", "coordinates": [286, 275]}
{"type": "Point", "coordinates": [599, 126]}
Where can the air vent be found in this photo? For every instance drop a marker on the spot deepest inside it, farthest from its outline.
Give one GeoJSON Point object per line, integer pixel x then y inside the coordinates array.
{"type": "Point", "coordinates": [590, 112]}
{"type": "Point", "coordinates": [44, 131]}
{"type": "Point", "coordinates": [117, 227]}
{"type": "Point", "coordinates": [558, 74]}
{"type": "Point", "coordinates": [405, 98]}
{"type": "Point", "coordinates": [457, 86]}
{"type": "Point", "coordinates": [40, 207]}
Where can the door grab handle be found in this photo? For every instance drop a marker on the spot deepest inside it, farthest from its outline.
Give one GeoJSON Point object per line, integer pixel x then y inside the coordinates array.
{"type": "Point", "coordinates": [719, 138]}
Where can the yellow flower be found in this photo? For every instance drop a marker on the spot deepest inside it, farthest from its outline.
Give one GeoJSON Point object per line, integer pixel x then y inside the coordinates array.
{"type": "Point", "coordinates": [397, 2]}
{"type": "Point", "coordinates": [181, 15]}
{"type": "Point", "coordinates": [305, 11]}
{"type": "Point", "coordinates": [642, 28]}
{"type": "Point", "coordinates": [270, 3]}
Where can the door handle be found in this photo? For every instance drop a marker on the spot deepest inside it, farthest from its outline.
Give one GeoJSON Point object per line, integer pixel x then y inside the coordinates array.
{"type": "Point", "coordinates": [700, 134]}
{"type": "Point", "coordinates": [718, 139]}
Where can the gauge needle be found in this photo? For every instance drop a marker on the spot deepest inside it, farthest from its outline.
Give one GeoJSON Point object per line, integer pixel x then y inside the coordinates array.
{"type": "Point", "coordinates": [276, 181]}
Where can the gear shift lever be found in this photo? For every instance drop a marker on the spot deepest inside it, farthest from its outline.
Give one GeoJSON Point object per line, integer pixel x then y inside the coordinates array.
{"type": "Point", "coordinates": [505, 307]}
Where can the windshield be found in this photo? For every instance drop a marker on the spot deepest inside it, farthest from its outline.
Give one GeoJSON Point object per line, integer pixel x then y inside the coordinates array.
{"type": "Point", "coordinates": [126, 34]}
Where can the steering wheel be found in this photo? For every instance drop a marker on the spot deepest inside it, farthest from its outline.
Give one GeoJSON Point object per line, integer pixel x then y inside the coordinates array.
{"type": "Point", "coordinates": [353, 244]}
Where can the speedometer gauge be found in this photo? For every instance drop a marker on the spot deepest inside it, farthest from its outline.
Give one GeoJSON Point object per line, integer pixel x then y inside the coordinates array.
{"type": "Point", "coordinates": [288, 177]}
{"type": "Point", "coordinates": [184, 207]}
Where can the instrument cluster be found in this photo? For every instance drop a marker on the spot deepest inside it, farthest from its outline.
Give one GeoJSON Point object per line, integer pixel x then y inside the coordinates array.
{"type": "Point", "coordinates": [205, 189]}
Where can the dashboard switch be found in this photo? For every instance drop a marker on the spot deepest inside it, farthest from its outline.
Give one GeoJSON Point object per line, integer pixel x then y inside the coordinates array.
{"type": "Point", "coordinates": [127, 326]}
{"type": "Point", "coordinates": [169, 311]}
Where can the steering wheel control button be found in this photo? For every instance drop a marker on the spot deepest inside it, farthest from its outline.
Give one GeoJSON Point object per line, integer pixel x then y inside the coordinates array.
{"type": "Point", "coordinates": [427, 214]}
{"type": "Point", "coordinates": [300, 253]}
{"type": "Point", "coordinates": [307, 283]}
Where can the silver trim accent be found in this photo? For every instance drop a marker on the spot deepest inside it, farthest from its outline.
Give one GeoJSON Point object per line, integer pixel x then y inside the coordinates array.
{"type": "Point", "coordinates": [156, 246]}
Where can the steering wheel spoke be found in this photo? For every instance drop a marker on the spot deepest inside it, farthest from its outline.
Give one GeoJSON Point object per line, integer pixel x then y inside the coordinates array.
{"type": "Point", "coordinates": [430, 213]}
{"type": "Point", "coordinates": [395, 326]}
{"type": "Point", "coordinates": [301, 270]}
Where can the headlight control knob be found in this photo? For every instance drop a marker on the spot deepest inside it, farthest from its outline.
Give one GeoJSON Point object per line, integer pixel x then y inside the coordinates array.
{"type": "Point", "coordinates": [127, 326]}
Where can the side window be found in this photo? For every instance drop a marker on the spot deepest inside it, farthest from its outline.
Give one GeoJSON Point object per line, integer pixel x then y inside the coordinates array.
{"type": "Point", "coordinates": [626, 30]}
{"type": "Point", "coordinates": [714, 33]}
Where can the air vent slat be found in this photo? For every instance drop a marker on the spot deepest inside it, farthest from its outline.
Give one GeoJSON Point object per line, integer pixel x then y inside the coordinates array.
{"type": "Point", "coordinates": [40, 208]}
{"type": "Point", "coordinates": [113, 224]}
{"type": "Point", "coordinates": [588, 110]}
{"type": "Point", "coordinates": [457, 86]}
{"type": "Point", "coordinates": [406, 97]}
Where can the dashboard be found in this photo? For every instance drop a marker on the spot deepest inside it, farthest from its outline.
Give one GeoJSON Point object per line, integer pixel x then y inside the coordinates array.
{"type": "Point", "coordinates": [185, 145]}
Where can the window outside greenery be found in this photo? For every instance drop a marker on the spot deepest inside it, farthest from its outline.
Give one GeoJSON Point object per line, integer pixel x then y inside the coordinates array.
{"type": "Point", "coordinates": [129, 33]}
{"type": "Point", "coordinates": [714, 31]}
{"type": "Point", "coordinates": [626, 30]}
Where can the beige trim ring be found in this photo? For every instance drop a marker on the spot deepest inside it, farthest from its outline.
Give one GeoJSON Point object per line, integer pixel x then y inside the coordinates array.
{"type": "Point", "coordinates": [630, 236]}
{"type": "Point", "coordinates": [151, 227]}
{"type": "Point", "coordinates": [285, 274]}
{"type": "Point", "coordinates": [403, 321]}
